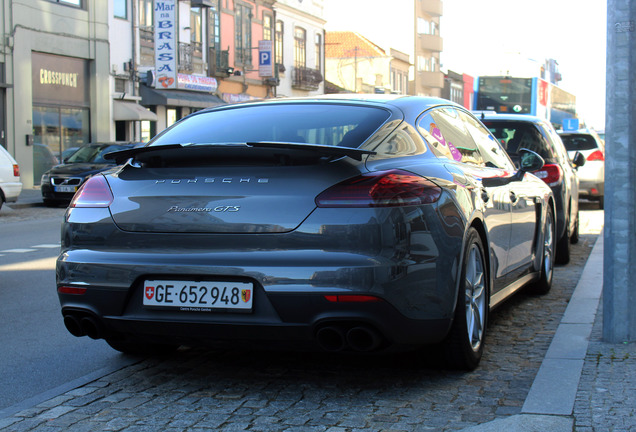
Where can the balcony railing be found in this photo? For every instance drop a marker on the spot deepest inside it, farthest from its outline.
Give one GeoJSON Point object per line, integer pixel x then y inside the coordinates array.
{"type": "Point", "coordinates": [306, 78]}
{"type": "Point", "coordinates": [430, 42]}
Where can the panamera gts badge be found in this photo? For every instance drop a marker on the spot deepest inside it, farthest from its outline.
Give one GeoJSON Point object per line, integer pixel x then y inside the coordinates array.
{"type": "Point", "coordinates": [217, 209]}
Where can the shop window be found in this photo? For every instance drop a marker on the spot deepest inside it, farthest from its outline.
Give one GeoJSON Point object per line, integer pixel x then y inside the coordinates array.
{"type": "Point", "coordinates": [56, 129]}
{"type": "Point", "coordinates": [171, 116]}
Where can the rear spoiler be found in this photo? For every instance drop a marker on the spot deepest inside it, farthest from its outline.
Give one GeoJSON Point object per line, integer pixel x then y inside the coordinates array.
{"type": "Point", "coordinates": [331, 151]}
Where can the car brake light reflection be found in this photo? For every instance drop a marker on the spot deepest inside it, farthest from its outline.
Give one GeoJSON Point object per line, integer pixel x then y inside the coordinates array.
{"type": "Point", "coordinates": [551, 174]}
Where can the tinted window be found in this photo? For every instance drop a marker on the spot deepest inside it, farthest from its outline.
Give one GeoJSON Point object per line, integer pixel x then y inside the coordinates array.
{"type": "Point", "coordinates": [325, 124]}
{"type": "Point", "coordinates": [447, 135]}
{"type": "Point", "coordinates": [579, 142]}
{"type": "Point", "coordinates": [493, 154]}
{"type": "Point", "coordinates": [514, 135]}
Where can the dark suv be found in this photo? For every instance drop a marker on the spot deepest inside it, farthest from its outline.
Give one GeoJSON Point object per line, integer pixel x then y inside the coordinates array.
{"type": "Point", "coordinates": [516, 131]}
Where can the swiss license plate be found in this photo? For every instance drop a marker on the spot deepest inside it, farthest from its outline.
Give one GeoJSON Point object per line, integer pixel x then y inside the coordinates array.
{"type": "Point", "coordinates": [65, 189]}
{"type": "Point", "coordinates": [198, 295]}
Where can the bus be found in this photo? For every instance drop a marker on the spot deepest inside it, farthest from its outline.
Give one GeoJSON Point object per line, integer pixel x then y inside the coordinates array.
{"type": "Point", "coordinates": [535, 96]}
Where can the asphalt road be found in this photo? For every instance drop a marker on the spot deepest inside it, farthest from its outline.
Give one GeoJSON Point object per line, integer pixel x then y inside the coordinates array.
{"type": "Point", "coordinates": [38, 356]}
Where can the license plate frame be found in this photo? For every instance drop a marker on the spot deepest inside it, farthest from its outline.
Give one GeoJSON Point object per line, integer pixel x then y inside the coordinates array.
{"type": "Point", "coordinates": [198, 296]}
{"type": "Point", "coordinates": [66, 189]}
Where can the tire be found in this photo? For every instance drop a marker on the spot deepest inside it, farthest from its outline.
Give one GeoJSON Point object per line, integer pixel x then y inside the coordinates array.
{"type": "Point", "coordinates": [601, 202]}
{"type": "Point", "coordinates": [544, 284]}
{"type": "Point", "coordinates": [140, 348]}
{"type": "Point", "coordinates": [563, 246]}
{"type": "Point", "coordinates": [464, 344]}
{"type": "Point", "coordinates": [574, 238]}
{"type": "Point", "coordinates": [50, 203]}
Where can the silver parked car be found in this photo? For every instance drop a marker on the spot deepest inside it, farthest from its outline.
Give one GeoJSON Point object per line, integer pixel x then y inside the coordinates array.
{"type": "Point", "coordinates": [592, 174]}
{"type": "Point", "coordinates": [363, 222]}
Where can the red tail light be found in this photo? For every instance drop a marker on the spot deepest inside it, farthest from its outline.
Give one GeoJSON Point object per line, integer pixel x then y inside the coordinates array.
{"type": "Point", "coordinates": [596, 156]}
{"type": "Point", "coordinates": [95, 192]}
{"type": "Point", "coordinates": [551, 174]}
{"type": "Point", "coordinates": [71, 290]}
{"type": "Point", "coordinates": [16, 170]}
{"type": "Point", "coordinates": [394, 188]}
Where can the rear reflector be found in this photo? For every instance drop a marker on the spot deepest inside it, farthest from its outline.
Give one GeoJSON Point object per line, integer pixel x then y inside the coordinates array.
{"type": "Point", "coordinates": [394, 188]}
{"type": "Point", "coordinates": [16, 170]}
{"type": "Point", "coordinates": [551, 174]}
{"type": "Point", "coordinates": [352, 298]}
{"type": "Point", "coordinates": [71, 290]}
{"type": "Point", "coordinates": [596, 156]}
{"type": "Point", "coordinates": [95, 192]}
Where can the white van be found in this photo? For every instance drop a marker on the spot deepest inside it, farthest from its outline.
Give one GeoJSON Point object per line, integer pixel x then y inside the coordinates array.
{"type": "Point", "coordinates": [10, 184]}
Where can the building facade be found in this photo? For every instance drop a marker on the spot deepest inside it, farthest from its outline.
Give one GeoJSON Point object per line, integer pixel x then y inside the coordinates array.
{"type": "Point", "coordinates": [410, 26]}
{"type": "Point", "coordinates": [61, 48]}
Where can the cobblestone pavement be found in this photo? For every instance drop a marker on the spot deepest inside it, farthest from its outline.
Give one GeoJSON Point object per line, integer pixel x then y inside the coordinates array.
{"type": "Point", "coordinates": [230, 390]}
{"type": "Point", "coordinates": [606, 399]}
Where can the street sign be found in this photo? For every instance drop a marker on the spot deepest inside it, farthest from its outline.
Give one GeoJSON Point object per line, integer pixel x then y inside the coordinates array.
{"type": "Point", "coordinates": [265, 68]}
{"type": "Point", "coordinates": [571, 124]}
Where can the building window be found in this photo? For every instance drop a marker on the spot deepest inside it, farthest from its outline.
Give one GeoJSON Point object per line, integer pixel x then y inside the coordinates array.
{"type": "Point", "coordinates": [120, 85]}
{"type": "Point", "coordinates": [278, 54]}
{"type": "Point", "coordinates": [75, 3]}
{"type": "Point", "coordinates": [217, 61]}
{"type": "Point", "coordinates": [423, 26]}
{"type": "Point", "coordinates": [243, 28]}
{"type": "Point", "coordinates": [145, 14]}
{"type": "Point", "coordinates": [318, 51]}
{"type": "Point", "coordinates": [196, 31]}
{"type": "Point", "coordinates": [300, 50]}
{"type": "Point", "coordinates": [120, 9]}
{"type": "Point", "coordinates": [267, 27]}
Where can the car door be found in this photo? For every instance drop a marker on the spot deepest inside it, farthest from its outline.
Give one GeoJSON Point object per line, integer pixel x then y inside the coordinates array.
{"type": "Point", "coordinates": [446, 131]}
{"type": "Point", "coordinates": [521, 198]}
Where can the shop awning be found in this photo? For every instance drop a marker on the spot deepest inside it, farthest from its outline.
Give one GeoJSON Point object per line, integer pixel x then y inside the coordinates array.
{"type": "Point", "coordinates": [184, 98]}
{"type": "Point", "coordinates": [131, 111]}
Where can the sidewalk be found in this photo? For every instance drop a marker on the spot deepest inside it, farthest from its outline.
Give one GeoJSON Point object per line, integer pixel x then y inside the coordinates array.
{"type": "Point", "coordinates": [584, 384]}
{"type": "Point", "coordinates": [29, 197]}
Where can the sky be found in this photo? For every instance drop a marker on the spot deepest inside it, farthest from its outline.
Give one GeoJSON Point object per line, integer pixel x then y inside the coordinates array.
{"type": "Point", "coordinates": [477, 34]}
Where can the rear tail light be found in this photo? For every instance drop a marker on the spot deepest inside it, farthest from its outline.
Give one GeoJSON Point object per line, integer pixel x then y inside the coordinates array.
{"type": "Point", "coordinates": [596, 156]}
{"type": "Point", "coordinates": [16, 170]}
{"type": "Point", "coordinates": [71, 290]}
{"type": "Point", "coordinates": [551, 174]}
{"type": "Point", "coordinates": [95, 192]}
{"type": "Point", "coordinates": [394, 188]}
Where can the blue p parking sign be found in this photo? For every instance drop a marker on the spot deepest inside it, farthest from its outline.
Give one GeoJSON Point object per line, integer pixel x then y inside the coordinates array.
{"type": "Point", "coordinates": [265, 58]}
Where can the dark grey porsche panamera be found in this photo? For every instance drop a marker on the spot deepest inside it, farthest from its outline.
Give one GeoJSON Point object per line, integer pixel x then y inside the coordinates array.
{"type": "Point", "coordinates": [362, 223]}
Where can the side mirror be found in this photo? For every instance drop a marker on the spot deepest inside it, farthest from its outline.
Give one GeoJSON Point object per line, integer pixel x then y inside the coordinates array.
{"type": "Point", "coordinates": [578, 160]}
{"type": "Point", "coordinates": [530, 161]}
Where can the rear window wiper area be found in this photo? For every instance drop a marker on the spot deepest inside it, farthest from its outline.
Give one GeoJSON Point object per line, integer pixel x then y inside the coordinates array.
{"type": "Point", "coordinates": [251, 153]}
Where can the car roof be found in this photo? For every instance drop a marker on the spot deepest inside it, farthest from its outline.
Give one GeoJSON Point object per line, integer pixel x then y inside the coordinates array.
{"type": "Point", "coordinates": [406, 102]}
{"type": "Point", "coordinates": [509, 117]}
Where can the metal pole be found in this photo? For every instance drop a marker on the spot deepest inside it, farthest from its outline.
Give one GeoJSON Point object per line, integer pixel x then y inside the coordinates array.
{"type": "Point", "coordinates": [619, 286]}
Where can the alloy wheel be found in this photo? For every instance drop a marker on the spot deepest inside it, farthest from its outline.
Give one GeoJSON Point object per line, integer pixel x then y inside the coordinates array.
{"type": "Point", "coordinates": [475, 292]}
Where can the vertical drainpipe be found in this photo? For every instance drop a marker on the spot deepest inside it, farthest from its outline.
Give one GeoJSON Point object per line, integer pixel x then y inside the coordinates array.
{"type": "Point", "coordinates": [133, 62]}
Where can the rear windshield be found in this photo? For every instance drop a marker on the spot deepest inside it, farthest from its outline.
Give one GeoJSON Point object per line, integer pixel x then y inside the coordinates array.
{"type": "Point", "coordinates": [579, 142]}
{"type": "Point", "coordinates": [324, 124]}
{"type": "Point", "coordinates": [517, 135]}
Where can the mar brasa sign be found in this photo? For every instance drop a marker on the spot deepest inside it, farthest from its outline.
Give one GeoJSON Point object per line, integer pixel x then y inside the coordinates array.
{"type": "Point", "coordinates": [165, 44]}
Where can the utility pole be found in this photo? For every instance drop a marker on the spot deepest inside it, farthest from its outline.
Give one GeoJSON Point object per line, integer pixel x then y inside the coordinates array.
{"type": "Point", "coordinates": [619, 289]}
